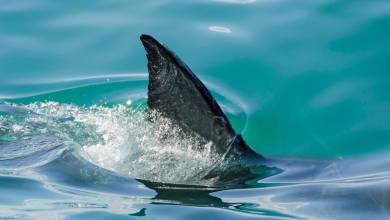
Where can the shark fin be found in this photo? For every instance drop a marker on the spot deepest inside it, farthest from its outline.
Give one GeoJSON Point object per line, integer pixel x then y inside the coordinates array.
{"type": "Point", "coordinates": [176, 93]}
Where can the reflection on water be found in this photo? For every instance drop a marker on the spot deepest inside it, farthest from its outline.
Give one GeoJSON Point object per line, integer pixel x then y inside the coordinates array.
{"type": "Point", "coordinates": [236, 1]}
{"type": "Point", "coordinates": [220, 29]}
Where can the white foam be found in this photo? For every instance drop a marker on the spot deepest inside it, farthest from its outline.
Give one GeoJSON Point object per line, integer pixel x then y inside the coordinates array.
{"type": "Point", "coordinates": [121, 139]}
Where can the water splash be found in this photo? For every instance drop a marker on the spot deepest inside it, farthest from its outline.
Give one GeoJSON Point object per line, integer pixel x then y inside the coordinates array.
{"type": "Point", "coordinates": [120, 138]}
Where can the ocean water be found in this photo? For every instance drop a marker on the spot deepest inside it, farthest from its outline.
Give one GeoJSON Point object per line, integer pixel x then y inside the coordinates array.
{"type": "Point", "coordinates": [306, 83]}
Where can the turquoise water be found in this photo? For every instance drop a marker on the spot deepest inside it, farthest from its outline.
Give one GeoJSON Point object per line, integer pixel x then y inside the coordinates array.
{"type": "Point", "coordinates": [306, 83]}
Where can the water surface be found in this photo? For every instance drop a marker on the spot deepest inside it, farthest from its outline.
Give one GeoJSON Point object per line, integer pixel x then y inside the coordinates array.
{"type": "Point", "coordinates": [306, 83]}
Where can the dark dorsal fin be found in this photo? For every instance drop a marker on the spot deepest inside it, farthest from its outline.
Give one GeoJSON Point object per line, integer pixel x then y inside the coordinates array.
{"type": "Point", "coordinates": [176, 93]}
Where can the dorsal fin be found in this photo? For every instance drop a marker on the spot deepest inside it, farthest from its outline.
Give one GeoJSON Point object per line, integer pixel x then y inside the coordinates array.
{"type": "Point", "coordinates": [176, 93]}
